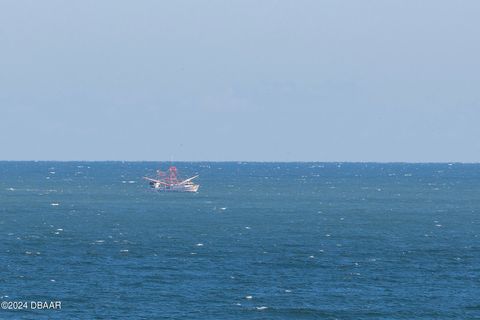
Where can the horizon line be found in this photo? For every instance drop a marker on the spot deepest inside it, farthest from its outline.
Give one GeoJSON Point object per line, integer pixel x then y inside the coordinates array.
{"type": "Point", "coordinates": [255, 161]}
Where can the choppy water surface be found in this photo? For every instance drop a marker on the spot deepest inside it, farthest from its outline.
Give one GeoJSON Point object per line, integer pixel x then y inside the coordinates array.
{"type": "Point", "coordinates": [259, 241]}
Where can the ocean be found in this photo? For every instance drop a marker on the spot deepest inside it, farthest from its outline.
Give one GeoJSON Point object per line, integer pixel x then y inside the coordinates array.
{"type": "Point", "coordinates": [258, 241]}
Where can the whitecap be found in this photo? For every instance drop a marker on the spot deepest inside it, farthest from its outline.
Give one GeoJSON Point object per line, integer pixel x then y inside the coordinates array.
{"type": "Point", "coordinates": [262, 308]}
{"type": "Point", "coordinates": [124, 250]}
{"type": "Point", "coordinates": [54, 204]}
{"type": "Point", "coordinates": [248, 297]}
{"type": "Point", "coordinates": [199, 244]}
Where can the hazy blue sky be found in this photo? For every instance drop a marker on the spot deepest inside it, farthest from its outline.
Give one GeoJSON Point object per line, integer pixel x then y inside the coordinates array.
{"type": "Point", "coordinates": [240, 80]}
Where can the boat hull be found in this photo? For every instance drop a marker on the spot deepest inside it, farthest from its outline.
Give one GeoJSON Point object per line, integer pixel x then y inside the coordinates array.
{"type": "Point", "coordinates": [176, 188]}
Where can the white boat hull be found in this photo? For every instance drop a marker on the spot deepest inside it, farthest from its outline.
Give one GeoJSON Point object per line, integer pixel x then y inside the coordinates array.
{"type": "Point", "coordinates": [176, 188]}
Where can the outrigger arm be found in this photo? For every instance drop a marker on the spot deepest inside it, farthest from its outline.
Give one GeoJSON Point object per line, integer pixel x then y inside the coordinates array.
{"type": "Point", "coordinates": [189, 179]}
{"type": "Point", "coordinates": [156, 181]}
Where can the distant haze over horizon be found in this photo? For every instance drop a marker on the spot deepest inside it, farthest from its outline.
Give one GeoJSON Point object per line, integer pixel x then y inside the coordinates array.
{"type": "Point", "coordinates": [324, 81]}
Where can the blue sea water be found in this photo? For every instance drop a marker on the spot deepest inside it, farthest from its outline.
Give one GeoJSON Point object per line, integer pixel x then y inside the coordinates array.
{"type": "Point", "coordinates": [258, 241]}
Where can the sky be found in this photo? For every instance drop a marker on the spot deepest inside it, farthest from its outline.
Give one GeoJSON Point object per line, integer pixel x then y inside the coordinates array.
{"type": "Point", "coordinates": [386, 81]}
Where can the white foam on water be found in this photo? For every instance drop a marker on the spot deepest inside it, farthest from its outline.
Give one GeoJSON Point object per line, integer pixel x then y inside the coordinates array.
{"type": "Point", "coordinates": [288, 291]}
{"type": "Point", "coordinates": [199, 244]}
{"type": "Point", "coordinates": [262, 308]}
{"type": "Point", "coordinates": [60, 229]}
{"type": "Point", "coordinates": [124, 250]}
{"type": "Point", "coordinates": [54, 204]}
{"type": "Point", "coordinates": [224, 208]}
{"type": "Point", "coordinates": [248, 297]}
{"type": "Point", "coordinates": [11, 189]}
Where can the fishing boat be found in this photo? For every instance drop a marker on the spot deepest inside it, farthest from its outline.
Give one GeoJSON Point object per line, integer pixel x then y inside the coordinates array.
{"type": "Point", "coordinates": [169, 182]}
